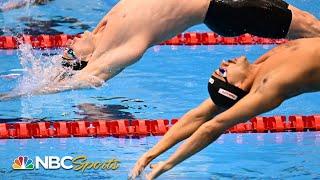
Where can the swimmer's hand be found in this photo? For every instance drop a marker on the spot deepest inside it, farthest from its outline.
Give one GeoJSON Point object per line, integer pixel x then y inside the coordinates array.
{"type": "Point", "coordinates": [139, 167]}
{"type": "Point", "coordinates": [157, 170]}
{"type": "Point", "coordinates": [8, 96]}
{"type": "Point", "coordinates": [76, 82]}
{"type": "Point", "coordinates": [3, 96]}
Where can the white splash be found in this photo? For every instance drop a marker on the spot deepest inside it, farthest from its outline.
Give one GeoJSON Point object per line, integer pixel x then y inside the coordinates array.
{"type": "Point", "coordinates": [42, 73]}
{"type": "Point", "coordinates": [15, 4]}
{"type": "Point", "coordinates": [38, 70]}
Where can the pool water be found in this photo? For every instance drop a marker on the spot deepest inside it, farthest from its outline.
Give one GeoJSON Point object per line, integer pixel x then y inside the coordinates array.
{"type": "Point", "coordinates": [242, 156]}
{"type": "Point", "coordinates": [166, 83]}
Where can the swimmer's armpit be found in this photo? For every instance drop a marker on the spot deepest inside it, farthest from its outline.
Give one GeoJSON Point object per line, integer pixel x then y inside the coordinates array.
{"type": "Point", "coordinates": [101, 25]}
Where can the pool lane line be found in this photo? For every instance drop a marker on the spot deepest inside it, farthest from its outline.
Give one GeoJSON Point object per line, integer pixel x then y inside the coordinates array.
{"type": "Point", "coordinates": [143, 128]}
{"type": "Point", "coordinates": [187, 39]}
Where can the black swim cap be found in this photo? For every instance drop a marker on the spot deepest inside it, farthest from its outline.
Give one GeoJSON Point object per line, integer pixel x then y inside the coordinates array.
{"type": "Point", "coordinates": [74, 64]}
{"type": "Point", "coordinates": [223, 94]}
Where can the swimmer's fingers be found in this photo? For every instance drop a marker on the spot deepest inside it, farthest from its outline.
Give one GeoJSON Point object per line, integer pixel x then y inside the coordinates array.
{"type": "Point", "coordinates": [157, 170]}
{"type": "Point", "coordinates": [11, 95]}
{"type": "Point", "coordinates": [136, 170]}
{"type": "Point", "coordinates": [134, 174]}
{"type": "Point", "coordinates": [5, 97]}
{"type": "Point", "coordinates": [9, 76]}
{"type": "Point", "coordinates": [2, 96]}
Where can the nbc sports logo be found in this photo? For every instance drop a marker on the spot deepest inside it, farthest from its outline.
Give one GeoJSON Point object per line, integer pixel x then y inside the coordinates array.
{"type": "Point", "coordinates": [23, 163]}
{"type": "Point", "coordinates": [79, 163]}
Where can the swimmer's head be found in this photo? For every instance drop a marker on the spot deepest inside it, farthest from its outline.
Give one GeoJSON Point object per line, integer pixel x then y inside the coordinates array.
{"type": "Point", "coordinates": [82, 46]}
{"type": "Point", "coordinates": [70, 60]}
{"type": "Point", "coordinates": [224, 85]}
{"type": "Point", "coordinates": [238, 69]}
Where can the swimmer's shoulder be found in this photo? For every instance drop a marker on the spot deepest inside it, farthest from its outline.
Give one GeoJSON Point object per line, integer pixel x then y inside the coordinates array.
{"type": "Point", "coordinates": [311, 46]}
{"type": "Point", "coordinates": [303, 42]}
{"type": "Point", "coordinates": [308, 42]}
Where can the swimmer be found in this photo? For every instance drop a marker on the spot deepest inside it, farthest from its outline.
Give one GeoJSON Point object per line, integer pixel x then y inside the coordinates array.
{"type": "Point", "coordinates": [19, 4]}
{"type": "Point", "coordinates": [238, 92]}
{"type": "Point", "coordinates": [131, 27]}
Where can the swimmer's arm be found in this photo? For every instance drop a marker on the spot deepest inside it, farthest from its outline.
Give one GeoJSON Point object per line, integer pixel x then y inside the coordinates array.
{"type": "Point", "coordinates": [187, 125]}
{"type": "Point", "coordinates": [12, 95]}
{"type": "Point", "coordinates": [78, 81]}
{"type": "Point", "coordinates": [66, 84]}
{"type": "Point", "coordinates": [250, 106]}
{"type": "Point", "coordinates": [103, 68]}
{"type": "Point", "coordinates": [98, 71]}
{"type": "Point", "coordinates": [103, 22]}
{"type": "Point", "coordinates": [112, 62]}
{"type": "Point", "coordinates": [94, 75]}
{"type": "Point", "coordinates": [4, 96]}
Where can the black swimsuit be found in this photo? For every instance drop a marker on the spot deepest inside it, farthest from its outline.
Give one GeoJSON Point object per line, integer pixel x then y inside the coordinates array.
{"type": "Point", "coordinates": [264, 18]}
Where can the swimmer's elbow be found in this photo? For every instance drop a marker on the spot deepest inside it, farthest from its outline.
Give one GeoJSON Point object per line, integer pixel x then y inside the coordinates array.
{"type": "Point", "coordinates": [94, 82]}
{"type": "Point", "coordinates": [97, 84]}
{"type": "Point", "coordinates": [214, 127]}
{"type": "Point", "coordinates": [138, 52]}
{"type": "Point", "coordinates": [268, 100]}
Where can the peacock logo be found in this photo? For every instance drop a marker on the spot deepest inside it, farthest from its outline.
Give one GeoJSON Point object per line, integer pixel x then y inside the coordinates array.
{"type": "Point", "coordinates": [22, 163]}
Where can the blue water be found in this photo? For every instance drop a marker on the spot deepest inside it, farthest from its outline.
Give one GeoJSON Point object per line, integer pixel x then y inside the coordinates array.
{"type": "Point", "coordinates": [166, 83]}
{"type": "Point", "coordinates": [247, 156]}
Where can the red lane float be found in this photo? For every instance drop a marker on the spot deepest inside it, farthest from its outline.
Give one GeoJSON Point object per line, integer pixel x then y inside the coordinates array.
{"type": "Point", "coordinates": [189, 39]}
{"type": "Point", "coordinates": [142, 128]}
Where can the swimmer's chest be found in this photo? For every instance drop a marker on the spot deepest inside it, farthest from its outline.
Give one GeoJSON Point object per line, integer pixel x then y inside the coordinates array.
{"type": "Point", "coordinates": [297, 69]}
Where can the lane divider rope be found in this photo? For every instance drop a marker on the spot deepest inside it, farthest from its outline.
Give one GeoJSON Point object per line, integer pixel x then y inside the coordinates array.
{"type": "Point", "coordinates": [142, 128]}
{"type": "Point", "coordinates": [189, 39]}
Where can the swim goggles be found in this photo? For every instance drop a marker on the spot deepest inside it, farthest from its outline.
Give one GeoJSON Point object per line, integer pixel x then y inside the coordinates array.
{"type": "Point", "coordinates": [223, 74]}
{"type": "Point", "coordinates": [71, 61]}
{"type": "Point", "coordinates": [70, 54]}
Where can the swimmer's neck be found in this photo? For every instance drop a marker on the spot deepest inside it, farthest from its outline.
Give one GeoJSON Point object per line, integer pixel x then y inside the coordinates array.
{"type": "Point", "coordinates": [95, 39]}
